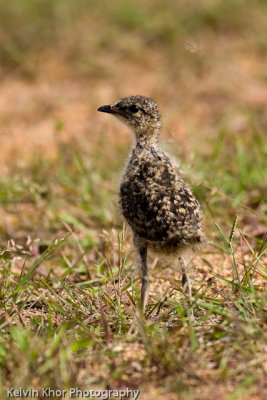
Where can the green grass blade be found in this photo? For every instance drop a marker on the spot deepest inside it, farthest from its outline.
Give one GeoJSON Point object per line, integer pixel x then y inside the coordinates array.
{"type": "Point", "coordinates": [233, 229]}
{"type": "Point", "coordinates": [226, 241]}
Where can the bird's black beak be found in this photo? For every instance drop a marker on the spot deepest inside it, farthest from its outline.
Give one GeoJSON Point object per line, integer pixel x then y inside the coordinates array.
{"type": "Point", "coordinates": [106, 109]}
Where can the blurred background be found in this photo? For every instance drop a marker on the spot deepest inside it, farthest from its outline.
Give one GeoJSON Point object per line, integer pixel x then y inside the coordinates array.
{"type": "Point", "coordinates": [203, 61]}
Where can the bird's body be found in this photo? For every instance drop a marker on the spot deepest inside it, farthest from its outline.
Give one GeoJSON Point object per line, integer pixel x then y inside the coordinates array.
{"type": "Point", "coordinates": [157, 204]}
{"type": "Point", "coordinates": [161, 210]}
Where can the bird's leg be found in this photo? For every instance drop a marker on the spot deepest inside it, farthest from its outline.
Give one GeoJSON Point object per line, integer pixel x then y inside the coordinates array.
{"type": "Point", "coordinates": [145, 281]}
{"type": "Point", "coordinates": [186, 283]}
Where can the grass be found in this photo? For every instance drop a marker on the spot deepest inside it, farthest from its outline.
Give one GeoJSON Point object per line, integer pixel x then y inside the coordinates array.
{"type": "Point", "coordinates": [68, 303]}
{"type": "Point", "coordinates": [69, 291]}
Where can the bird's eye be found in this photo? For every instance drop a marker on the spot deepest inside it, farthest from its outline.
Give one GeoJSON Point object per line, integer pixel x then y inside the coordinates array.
{"type": "Point", "coordinates": [134, 108]}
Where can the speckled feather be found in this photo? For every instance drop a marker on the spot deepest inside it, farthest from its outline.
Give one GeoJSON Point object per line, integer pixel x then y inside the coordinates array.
{"type": "Point", "coordinates": [161, 210]}
{"type": "Point", "coordinates": [157, 204]}
{"type": "Point", "coordinates": [155, 201]}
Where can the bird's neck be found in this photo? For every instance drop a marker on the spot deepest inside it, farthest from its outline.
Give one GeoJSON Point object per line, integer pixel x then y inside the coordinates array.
{"type": "Point", "coordinates": [149, 138]}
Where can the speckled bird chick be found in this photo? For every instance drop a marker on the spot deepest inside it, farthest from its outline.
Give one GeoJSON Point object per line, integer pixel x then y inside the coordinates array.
{"type": "Point", "coordinates": [161, 210]}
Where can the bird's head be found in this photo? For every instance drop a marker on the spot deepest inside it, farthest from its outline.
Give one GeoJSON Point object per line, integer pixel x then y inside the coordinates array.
{"type": "Point", "coordinates": [139, 113]}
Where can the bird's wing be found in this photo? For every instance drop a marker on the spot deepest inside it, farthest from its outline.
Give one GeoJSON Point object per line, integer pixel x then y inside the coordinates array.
{"type": "Point", "coordinates": [157, 204]}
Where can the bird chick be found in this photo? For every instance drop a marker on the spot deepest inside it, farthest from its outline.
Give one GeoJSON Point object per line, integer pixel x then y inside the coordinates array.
{"type": "Point", "coordinates": [161, 210]}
